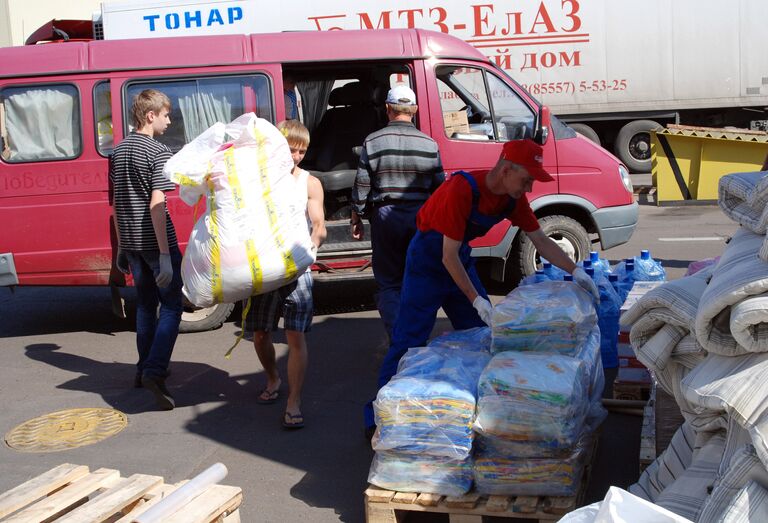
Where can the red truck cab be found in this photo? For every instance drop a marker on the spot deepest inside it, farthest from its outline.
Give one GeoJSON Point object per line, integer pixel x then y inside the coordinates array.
{"type": "Point", "coordinates": [64, 106]}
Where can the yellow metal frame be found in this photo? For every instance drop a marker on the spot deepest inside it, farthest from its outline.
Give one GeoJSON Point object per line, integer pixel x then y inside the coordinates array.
{"type": "Point", "coordinates": [687, 163]}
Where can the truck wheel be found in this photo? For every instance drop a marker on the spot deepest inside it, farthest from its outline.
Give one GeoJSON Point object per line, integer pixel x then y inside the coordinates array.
{"type": "Point", "coordinates": [633, 145]}
{"type": "Point", "coordinates": [586, 131]}
{"type": "Point", "coordinates": [195, 319]}
{"type": "Point", "coordinates": [565, 231]}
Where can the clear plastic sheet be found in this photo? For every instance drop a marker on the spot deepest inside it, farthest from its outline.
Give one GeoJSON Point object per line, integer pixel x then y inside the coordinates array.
{"type": "Point", "coordinates": [528, 476]}
{"type": "Point", "coordinates": [477, 339]}
{"type": "Point", "coordinates": [608, 312]}
{"type": "Point", "coordinates": [534, 396]}
{"type": "Point", "coordinates": [553, 316]}
{"type": "Point", "coordinates": [421, 474]}
{"type": "Point", "coordinates": [428, 406]}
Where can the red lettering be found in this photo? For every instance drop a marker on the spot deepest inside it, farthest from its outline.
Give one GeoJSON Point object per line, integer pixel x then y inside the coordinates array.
{"type": "Point", "coordinates": [480, 16]}
{"type": "Point", "coordinates": [383, 23]}
{"type": "Point", "coordinates": [543, 18]}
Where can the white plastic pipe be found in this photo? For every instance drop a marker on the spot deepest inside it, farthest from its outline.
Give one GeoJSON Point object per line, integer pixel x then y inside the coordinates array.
{"type": "Point", "coordinates": [184, 494]}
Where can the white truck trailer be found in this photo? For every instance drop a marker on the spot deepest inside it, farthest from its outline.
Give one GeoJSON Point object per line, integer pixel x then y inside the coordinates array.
{"type": "Point", "coordinates": [612, 69]}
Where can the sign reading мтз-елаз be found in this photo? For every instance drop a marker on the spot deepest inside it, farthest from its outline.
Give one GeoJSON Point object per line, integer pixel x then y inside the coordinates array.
{"type": "Point", "coordinates": [160, 18]}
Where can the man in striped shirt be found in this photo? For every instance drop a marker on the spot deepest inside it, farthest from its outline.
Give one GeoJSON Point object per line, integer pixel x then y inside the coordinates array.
{"type": "Point", "coordinates": [399, 168]}
{"type": "Point", "coordinates": [147, 246]}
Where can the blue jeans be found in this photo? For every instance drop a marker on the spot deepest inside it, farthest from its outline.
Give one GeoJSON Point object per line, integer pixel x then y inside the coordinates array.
{"type": "Point", "coordinates": [392, 227]}
{"type": "Point", "coordinates": [155, 333]}
{"type": "Point", "coordinates": [427, 286]}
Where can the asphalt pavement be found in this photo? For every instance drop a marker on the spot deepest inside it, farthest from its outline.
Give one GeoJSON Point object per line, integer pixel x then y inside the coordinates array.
{"type": "Point", "coordinates": [61, 348]}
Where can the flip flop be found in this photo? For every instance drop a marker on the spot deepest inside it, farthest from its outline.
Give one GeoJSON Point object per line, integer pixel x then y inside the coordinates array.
{"type": "Point", "coordinates": [293, 421]}
{"type": "Point", "coordinates": [267, 397]}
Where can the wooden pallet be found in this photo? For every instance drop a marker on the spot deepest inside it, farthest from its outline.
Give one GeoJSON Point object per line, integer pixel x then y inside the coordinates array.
{"type": "Point", "coordinates": [72, 494]}
{"type": "Point", "coordinates": [383, 506]}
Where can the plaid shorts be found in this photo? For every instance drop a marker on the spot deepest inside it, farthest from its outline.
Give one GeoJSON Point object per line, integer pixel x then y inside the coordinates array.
{"type": "Point", "coordinates": [293, 302]}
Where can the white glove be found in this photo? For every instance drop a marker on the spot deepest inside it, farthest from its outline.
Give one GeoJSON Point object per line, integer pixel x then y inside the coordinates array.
{"type": "Point", "coordinates": [164, 277]}
{"type": "Point", "coordinates": [484, 309]}
{"type": "Point", "coordinates": [313, 252]}
{"type": "Point", "coordinates": [121, 262]}
{"type": "Point", "coordinates": [586, 283]}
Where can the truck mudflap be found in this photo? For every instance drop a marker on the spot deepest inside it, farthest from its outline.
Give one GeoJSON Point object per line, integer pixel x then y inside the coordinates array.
{"type": "Point", "coordinates": [8, 274]}
{"type": "Point", "coordinates": [615, 225]}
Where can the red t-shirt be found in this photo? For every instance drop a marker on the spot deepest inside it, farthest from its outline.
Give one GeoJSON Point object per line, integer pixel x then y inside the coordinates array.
{"type": "Point", "coordinates": [447, 210]}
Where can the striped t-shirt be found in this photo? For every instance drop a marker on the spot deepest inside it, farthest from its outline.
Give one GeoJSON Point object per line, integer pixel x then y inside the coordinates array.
{"type": "Point", "coordinates": [397, 163]}
{"type": "Point", "coordinates": [135, 170]}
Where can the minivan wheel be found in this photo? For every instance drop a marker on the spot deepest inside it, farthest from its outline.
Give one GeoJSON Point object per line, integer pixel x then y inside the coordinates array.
{"type": "Point", "coordinates": [196, 319]}
{"type": "Point", "coordinates": [564, 230]}
{"type": "Point", "coordinates": [633, 145]}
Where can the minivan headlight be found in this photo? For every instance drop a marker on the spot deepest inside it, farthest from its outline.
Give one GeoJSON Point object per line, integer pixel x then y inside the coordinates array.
{"type": "Point", "coordinates": [625, 179]}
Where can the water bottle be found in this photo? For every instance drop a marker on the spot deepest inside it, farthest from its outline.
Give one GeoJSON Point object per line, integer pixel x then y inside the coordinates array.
{"type": "Point", "coordinates": [648, 269]}
{"type": "Point", "coordinates": [552, 272]}
{"type": "Point", "coordinates": [537, 277]}
{"type": "Point", "coordinates": [601, 265]}
{"type": "Point", "coordinates": [614, 281]}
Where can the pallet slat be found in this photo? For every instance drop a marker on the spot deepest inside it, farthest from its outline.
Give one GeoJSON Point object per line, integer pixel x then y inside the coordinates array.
{"type": "Point", "coordinates": [466, 501]}
{"type": "Point", "coordinates": [525, 504]}
{"type": "Point", "coordinates": [61, 500]}
{"type": "Point", "coordinates": [409, 498]}
{"type": "Point", "coordinates": [113, 500]}
{"type": "Point", "coordinates": [39, 486]}
{"type": "Point", "coordinates": [377, 495]}
{"type": "Point", "coordinates": [497, 503]}
{"type": "Point", "coordinates": [216, 501]}
{"type": "Point", "coordinates": [426, 499]}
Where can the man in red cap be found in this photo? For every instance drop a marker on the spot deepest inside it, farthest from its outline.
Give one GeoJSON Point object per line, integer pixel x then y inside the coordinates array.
{"type": "Point", "coordinates": [439, 270]}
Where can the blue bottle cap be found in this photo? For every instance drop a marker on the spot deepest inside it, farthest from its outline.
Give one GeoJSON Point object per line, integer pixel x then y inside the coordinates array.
{"type": "Point", "coordinates": [587, 264]}
{"type": "Point", "coordinates": [613, 277]}
{"type": "Point", "coordinates": [645, 255]}
{"type": "Point", "coordinates": [594, 256]}
{"type": "Point", "coordinates": [567, 277]}
{"type": "Point", "coordinates": [540, 272]}
{"type": "Point", "coordinates": [630, 265]}
{"type": "Point", "coordinates": [590, 271]}
{"type": "Point", "coordinates": [546, 265]}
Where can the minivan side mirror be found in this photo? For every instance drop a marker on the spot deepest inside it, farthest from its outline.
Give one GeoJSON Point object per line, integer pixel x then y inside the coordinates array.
{"type": "Point", "coordinates": [543, 121]}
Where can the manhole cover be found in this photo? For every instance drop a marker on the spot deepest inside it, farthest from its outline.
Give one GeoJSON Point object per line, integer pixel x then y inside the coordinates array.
{"type": "Point", "coordinates": [66, 429]}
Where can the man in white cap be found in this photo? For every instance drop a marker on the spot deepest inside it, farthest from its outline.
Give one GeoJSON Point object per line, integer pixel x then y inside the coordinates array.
{"type": "Point", "coordinates": [398, 170]}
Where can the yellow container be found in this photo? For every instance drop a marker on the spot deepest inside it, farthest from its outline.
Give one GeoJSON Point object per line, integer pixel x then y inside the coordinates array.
{"type": "Point", "coordinates": [687, 162]}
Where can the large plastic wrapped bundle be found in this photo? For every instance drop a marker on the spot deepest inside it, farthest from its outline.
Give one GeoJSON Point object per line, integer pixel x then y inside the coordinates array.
{"type": "Point", "coordinates": [552, 316]}
{"type": "Point", "coordinates": [253, 236]}
{"type": "Point", "coordinates": [559, 476]}
{"type": "Point", "coordinates": [475, 339]}
{"type": "Point", "coordinates": [427, 408]}
{"type": "Point", "coordinates": [421, 474]}
{"type": "Point", "coordinates": [525, 396]}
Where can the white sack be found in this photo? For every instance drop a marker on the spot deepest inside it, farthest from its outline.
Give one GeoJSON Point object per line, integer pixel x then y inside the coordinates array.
{"type": "Point", "coordinates": [619, 506]}
{"type": "Point", "coordinates": [253, 236]}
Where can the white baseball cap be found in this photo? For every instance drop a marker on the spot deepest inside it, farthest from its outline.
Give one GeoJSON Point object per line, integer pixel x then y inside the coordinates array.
{"type": "Point", "coordinates": [401, 95]}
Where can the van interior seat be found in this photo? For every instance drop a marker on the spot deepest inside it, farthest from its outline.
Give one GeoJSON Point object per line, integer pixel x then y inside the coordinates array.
{"type": "Point", "coordinates": [335, 145]}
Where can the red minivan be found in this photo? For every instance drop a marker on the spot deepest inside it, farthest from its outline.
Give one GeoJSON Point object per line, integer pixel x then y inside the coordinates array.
{"type": "Point", "coordinates": [64, 105]}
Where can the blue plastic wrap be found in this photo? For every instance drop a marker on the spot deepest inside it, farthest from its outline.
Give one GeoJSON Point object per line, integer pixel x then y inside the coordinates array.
{"type": "Point", "coordinates": [608, 311]}
{"type": "Point", "coordinates": [476, 339]}
{"type": "Point", "coordinates": [526, 396]}
{"type": "Point", "coordinates": [428, 406]}
{"type": "Point", "coordinates": [421, 474]}
{"type": "Point", "coordinates": [537, 277]}
{"type": "Point", "coordinates": [553, 316]}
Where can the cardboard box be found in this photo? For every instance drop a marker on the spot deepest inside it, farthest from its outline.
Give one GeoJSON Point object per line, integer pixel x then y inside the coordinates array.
{"type": "Point", "coordinates": [455, 122]}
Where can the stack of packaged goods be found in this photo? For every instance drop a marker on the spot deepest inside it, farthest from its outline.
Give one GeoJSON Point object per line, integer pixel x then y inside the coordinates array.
{"type": "Point", "coordinates": [424, 417]}
{"type": "Point", "coordinates": [539, 397]}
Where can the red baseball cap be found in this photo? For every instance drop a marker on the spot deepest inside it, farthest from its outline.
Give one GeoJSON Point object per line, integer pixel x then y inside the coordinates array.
{"type": "Point", "coordinates": [528, 154]}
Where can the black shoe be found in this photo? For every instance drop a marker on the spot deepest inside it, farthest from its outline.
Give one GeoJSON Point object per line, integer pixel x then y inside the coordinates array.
{"type": "Point", "coordinates": [137, 381]}
{"type": "Point", "coordinates": [157, 387]}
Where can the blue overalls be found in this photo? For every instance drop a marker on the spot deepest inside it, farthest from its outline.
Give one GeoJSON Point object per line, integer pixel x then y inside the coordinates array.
{"type": "Point", "coordinates": [427, 286]}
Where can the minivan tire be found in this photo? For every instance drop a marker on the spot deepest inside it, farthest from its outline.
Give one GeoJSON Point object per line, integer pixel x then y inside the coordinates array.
{"type": "Point", "coordinates": [586, 131]}
{"type": "Point", "coordinates": [522, 261]}
{"type": "Point", "coordinates": [633, 145]}
{"type": "Point", "coordinates": [205, 319]}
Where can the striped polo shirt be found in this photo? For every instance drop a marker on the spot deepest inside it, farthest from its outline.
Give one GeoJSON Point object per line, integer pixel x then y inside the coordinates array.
{"type": "Point", "coordinates": [135, 170]}
{"type": "Point", "coordinates": [397, 163]}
